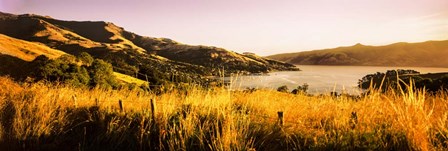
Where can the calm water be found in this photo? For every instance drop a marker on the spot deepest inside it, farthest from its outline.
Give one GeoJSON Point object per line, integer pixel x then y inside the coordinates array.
{"type": "Point", "coordinates": [321, 79]}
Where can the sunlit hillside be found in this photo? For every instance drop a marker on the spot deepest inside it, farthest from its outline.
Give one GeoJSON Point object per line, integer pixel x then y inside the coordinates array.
{"type": "Point", "coordinates": [25, 50]}
{"type": "Point", "coordinates": [125, 49]}
{"type": "Point", "coordinates": [129, 79]}
{"type": "Point", "coordinates": [57, 117]}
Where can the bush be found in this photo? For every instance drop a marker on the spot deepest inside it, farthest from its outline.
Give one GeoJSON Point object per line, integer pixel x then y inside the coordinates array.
{"type": "Point", "coordinates": [85, 58]}
{"type": "Point", "coordinates": [301, 89]}
{"type": "Point", "coordinates": [66, 71]}
{"type": "Point", "coordinates": [152, 75]}
{"type": "Point", "coordinates": [101, 74]}
{"type": "Point", "coordinates": [283, 88]}
{"type": "Point", "coordinates": [430, 82]}
{"type": "Point", "coordinates": [60, 70]}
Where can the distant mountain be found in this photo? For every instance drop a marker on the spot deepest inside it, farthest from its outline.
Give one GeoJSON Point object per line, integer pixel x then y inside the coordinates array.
{"type": "Point", "coordinates": [424, 54]}
{"type": "Point", "coordinates": [31, 35]}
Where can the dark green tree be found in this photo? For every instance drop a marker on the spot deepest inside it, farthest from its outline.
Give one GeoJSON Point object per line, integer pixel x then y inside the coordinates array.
{"type": "Point", "coordinates": [85, 58]}
{"type": "Point", "coordinates": [77, 75]}
{"type": "Point", "coordinates": [101, 74]}
{"type": "Point", "coordinates": [60, 70]}
{"type": "Point", "coordinates": [301, 89]}
{"type": "Point", "coordinates": [68, 59]}
{"type": "Point", "coordinates": [283, 88]}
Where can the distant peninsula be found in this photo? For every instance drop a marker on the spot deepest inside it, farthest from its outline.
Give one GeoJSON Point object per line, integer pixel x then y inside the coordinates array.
{"type": "Point", "coordinates": [423, 54]}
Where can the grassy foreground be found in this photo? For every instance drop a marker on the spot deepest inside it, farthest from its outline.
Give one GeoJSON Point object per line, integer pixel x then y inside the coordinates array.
{"type": "Point", "coordinates": [56, 117]}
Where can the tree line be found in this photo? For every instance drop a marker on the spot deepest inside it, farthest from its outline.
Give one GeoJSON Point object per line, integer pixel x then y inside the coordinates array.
{"type": "Point", "coordinates": [395, 79]}
{"type": "Point", "coordinates": [80, 70]}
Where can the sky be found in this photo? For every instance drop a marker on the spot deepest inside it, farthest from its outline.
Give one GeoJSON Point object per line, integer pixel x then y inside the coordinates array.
{"type": "Point", "coordinates": [264, 27]}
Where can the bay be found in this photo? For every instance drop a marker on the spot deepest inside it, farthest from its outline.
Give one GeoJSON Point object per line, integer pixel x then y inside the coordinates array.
{"type": "Point", "coordinates": [321, 79]}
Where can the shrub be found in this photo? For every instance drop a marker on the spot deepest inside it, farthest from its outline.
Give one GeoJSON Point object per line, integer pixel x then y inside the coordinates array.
{"type": "Point", "coordinates": [60, 70]}
{"type": "Point", "coordinates": [85, 58]}
{"type": "Point", "coordinates": [301, 89]}
{"type": "Point", "coordinates": [66, 70]}
{"type": "Point", "coordinates": [101, 74]}
{"type": "Point", "coordinates": [283, 88]}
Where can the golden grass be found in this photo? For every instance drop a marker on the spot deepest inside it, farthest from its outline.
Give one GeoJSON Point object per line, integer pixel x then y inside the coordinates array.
{"type": "Point", "coordinates": [56, 117]}
{"type": "Point", "coordinates": [129, 79]}
{"type": "Point", "coordinates": [25, 50]}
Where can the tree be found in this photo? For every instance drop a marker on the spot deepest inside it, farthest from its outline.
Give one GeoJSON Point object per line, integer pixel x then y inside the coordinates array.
{"type": "Point", "coordinates": [283, 88]}
{"type": "Point", "coordinates": [101, 74]}
{"type": "Point", "coordinates": [85, 58]}
{"type": "Point", "coordinates": [152, 75]}
{"type": "Point", "coordinates": [51, 70]}
{"type": "Point", "coordinates": [40, 60]}
{"type": "Point", "coordinates": [77, 75]}
{"type": "Point", "coordinates": [301, 89]}
{"type": "Point", "coordinates": [59, 70]}
{"type": "Point", "coordinates": [68, 59]}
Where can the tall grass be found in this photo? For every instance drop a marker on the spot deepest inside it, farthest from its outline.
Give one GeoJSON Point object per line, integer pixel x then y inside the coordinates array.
{"type": "Point", "coordinates": [57, 117]}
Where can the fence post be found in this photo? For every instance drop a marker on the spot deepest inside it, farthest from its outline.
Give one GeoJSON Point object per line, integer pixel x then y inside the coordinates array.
{"type": "Point", "coordinates": [280, 118]}
{"type": "Point", "coordinates": [353, 120]}
{"type": "Point", "coordinates": [97, 103]}
{"type": "Point", "coordinates": [152, 110]}
{"type": "Point", "coordinates": [120, 103]}
{"type": "Point", "coordinates": [75, 101]}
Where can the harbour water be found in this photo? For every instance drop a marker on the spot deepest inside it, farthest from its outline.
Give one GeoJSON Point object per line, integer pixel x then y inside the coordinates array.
{"type": "Point", "coordinates": [321, 79]}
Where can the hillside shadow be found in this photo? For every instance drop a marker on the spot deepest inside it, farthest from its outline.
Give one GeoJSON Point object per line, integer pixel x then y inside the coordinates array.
{"type": "Point", "coordinates": [7, 124]}
{"type": "Point", "coordinates": [14, 67]}
{"type": "Point", "coordinates": [95, 31]}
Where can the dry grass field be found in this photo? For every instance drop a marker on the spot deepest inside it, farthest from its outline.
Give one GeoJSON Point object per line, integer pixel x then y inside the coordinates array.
{"type": "Point", "coordinates": [57, 117]}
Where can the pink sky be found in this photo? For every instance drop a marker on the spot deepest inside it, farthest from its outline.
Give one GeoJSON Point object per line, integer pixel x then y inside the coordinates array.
{"type": "Point", "coordinates": [260, 26]}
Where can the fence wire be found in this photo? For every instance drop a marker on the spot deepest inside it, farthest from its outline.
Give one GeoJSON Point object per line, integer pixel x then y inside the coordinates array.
{"type": "Point", "coordinates": [253, 115]}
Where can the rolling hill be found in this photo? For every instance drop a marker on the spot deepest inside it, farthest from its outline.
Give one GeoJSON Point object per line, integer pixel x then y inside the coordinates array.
{"type": "Point", "coordinates": [424, 54]}
{"type": "Point", "coordinates": [25, 50]}
{"type": "Point", "coordinates": [126, 51]}
{"type": "Point", "coordinates": [15, 55]}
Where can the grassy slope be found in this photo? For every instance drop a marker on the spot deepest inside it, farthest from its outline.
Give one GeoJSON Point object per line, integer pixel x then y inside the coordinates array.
{"type": "Point", "coordinates": [58, 118]}
{"type": "Point", "coordinates": [28, 51]}
{"type": "Point", "coordinates": [25, 50]}
{"type": "Point", "coordinates": [15, 55]}
{"type": "Point", "coordinates": [129, 79]}
{"type": "Point", "coordinates": [424, 54]}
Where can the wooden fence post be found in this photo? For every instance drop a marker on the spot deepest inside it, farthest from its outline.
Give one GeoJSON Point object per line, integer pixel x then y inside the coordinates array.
{"type": "Point", "coordinates": [120, 103]}
{"type": "Point", "coordinates": [152, 110]}
{"type": "Point", "coordinates": [75, 101]}
{"type": "Point", "coordinates": [353, 120]}
{"type": "Point", "coordinates": [97, 103]}
{"type": "Point", "coordinates": [280, 118]}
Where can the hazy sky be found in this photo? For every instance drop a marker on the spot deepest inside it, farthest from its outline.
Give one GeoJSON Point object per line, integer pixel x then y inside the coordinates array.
{"type": "Point", "coordinates": [261, 26]}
